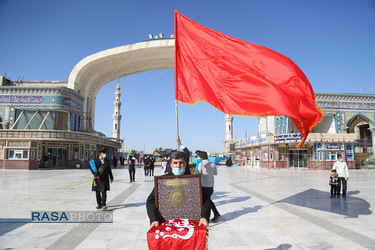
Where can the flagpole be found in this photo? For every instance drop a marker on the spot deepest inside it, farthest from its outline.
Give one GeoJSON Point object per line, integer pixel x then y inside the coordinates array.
{"type": "Point", "coordinates": [176, 108]}
{"type": "Point", "coordinates": [175, 76]}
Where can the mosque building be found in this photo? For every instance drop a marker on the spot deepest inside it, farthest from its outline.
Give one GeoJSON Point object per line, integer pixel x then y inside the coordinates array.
{"type": "Point", "coordinates": [41, 127]}
{"type": "Point", "coordinates": [51, 124]}
{"type": "Point", "coordinates": [347, 129]}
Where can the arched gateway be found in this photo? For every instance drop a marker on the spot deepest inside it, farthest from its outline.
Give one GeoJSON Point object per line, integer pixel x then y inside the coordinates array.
{"type": "Point", "coordinates": [96, 70]}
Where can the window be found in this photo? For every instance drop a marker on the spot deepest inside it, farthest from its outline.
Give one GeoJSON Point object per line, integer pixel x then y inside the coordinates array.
{"type": "Point", "coordinates": [265, 156]}
{"type": "Point", "coordinates": [75, 153]}
{"type": "Point", "coordinates": [86, 155]}
{"type": "Point", "coordinates": [18, 154]}
{"type": "Point", "coordinates": [81, 151]}
{"type": "Point", "coordinates": [333, 157]}
{"type": "Point", "coordinates": [281, 154]}
{"type": "Point", "coordinates": [32, 156]}
{"type": "Point", "coordinates": [328, 156]}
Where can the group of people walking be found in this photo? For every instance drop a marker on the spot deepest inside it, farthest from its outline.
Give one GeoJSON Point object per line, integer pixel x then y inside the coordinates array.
{"type": "Point", "coordinates": [149, 166]}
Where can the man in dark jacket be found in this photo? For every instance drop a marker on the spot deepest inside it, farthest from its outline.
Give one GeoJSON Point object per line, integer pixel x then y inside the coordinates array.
{"type": "Point", "coordinates": [101, 170]}
{"type": "Point", "coordinates": [131, 163]}
{"type": "Point", "coordinates": [152, 166]}
{"type": "Point", "coordinates": [178, 167]}
{"type": "Point", "coordinates": [147, 165]}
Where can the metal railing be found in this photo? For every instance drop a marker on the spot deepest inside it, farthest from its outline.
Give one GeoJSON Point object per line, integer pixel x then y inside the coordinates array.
{"type": "Point", "coordinates": [56, 135]}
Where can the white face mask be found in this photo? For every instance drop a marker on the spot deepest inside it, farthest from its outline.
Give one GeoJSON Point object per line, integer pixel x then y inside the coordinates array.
{"type": "Point", "coordinates": [178, 171]}
{"type": "Point", "coordinates": [104, 156]}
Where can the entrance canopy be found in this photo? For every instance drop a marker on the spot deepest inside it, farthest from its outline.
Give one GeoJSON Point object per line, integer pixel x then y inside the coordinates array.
{"type": "Point", "coordinates": [96, 70]}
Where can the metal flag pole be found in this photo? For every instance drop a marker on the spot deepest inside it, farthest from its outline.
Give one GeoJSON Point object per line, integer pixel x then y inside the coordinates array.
{"type": "Point", "coordinates": [176, 109]}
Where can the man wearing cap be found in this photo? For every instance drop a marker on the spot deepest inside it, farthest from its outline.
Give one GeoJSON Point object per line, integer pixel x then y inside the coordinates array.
{"type": "Point", "coordinates": [102, 172]}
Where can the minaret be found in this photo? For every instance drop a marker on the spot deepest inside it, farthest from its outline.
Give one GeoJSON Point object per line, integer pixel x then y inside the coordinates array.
{"type": "Point", "coordinates": [228, 135]}
{"type": "Point", "coordinates": [116, 115]}
{"type": "Point", "coordinates": [228, 127]}
{"type": "Point", "coordinates": [262, 124]}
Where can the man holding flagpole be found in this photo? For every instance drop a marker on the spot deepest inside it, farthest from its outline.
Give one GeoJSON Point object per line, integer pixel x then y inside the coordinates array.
{"type": "Point", "coordinates": [102, 172]}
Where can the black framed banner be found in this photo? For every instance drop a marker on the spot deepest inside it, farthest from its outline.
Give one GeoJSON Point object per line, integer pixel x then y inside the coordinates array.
{"type": "Point", "coordinates": [179, 197]}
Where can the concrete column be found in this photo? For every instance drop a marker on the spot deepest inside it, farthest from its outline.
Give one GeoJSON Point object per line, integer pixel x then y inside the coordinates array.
{"type": "Point", "coordinates": [5, 125]}
{"type": "Point", "coordinates": [372, 130]}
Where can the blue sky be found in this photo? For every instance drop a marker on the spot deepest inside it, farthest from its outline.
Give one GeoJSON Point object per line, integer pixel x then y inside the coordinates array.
{"type": "Point", "coordinates": [333, 42]}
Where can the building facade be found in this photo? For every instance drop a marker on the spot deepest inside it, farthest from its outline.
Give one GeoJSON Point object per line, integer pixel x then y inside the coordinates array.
{"type": "Point", "coordinates": [347, 129]}
{"type": "Point", "coordinates": [41, 127]}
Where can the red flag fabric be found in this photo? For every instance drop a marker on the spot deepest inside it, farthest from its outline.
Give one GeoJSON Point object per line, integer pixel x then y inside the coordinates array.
{"type": "Point", "coordinates": [177, 234]}
{"type": "Point", "coordinates": [240, 78]}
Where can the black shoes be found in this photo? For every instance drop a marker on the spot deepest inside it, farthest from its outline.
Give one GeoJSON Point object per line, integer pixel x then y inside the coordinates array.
{"type": "Point", "coordinates": [216, 217]}
{"type": "Point", "coordinates": [103, 207]}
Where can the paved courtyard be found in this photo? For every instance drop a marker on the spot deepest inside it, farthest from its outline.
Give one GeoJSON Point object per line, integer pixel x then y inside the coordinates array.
{"type": "Point", "coordinates": [261, 209]}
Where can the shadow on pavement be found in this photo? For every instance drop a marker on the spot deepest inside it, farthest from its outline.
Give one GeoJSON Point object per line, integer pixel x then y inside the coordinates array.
{"type": "Point", "coordinates": [281, 247]}
{"type": "Point", "coordinates": [10, 224]}
{"type": "Point", "coordinates": [244, 210]}
{"type": "Point", "coordinates": [350, 205]}
{"type": "Point", "coordinates": [227, 199]}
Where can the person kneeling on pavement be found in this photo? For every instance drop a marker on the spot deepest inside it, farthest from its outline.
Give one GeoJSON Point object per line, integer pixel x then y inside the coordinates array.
{"type": "Point", "coordinates": [178, 167]}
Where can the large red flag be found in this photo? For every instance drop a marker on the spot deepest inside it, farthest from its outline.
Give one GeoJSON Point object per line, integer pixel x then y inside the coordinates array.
{"type": "Point", "coordinates": [240, 78]}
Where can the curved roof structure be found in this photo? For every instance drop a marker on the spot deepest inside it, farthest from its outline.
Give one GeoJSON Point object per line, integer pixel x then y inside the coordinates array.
{"type": "Point", "coordinates": [96, 70]}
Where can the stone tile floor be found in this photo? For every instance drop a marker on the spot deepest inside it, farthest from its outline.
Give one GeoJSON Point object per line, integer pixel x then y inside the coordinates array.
{"type": "Point", "coordinates": [261, 209]}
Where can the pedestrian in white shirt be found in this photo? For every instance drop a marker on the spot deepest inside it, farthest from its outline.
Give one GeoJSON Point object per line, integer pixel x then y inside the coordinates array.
{"type": "Point", "coordinates": [208, 170]}
{"type": "Point", "coordinates": [342, 171]}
